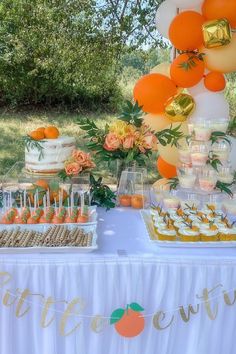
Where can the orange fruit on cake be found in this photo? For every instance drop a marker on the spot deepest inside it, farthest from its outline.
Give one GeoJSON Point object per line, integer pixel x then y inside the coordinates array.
{"type": "Point", "coordinates": [40, 129]}
{"type": "Point", "coordinates": [36, 135]}
{"type": "Point", "coordinates": [51, 132]}
{"type": "Point", "coordinates": [42, 183]}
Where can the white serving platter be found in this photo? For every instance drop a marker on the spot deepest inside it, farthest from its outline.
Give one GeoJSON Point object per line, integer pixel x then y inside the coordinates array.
{"type": "Point", "coordinates": [87, 227]}
{"type": "Point", "coordinates": [146, 216]}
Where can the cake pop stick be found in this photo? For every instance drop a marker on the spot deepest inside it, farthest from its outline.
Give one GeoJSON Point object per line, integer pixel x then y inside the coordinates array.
{"type": "Point", "coordinates": [24, 198]}
{"type": "Point", "coordinates": [55, 206]}
{"type": "Point", "coordinates": [82, 203]}
{"type": "Point", "coordinates": [44, 205]}
{"type": "Point", "coordinates": [30, 206]}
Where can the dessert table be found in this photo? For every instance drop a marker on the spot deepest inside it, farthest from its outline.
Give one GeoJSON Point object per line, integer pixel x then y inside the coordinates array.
{"type": "Point", "coordinates": [62, 303]}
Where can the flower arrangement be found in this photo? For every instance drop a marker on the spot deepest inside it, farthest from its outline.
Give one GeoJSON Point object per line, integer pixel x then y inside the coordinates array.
{"type": "Point", "coordinates": [128, 138]}
{"type": "Point", "coordinates": [78, 162]}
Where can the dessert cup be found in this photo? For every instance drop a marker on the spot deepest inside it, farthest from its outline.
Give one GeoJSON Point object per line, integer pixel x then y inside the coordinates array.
{"type": "Point", "coordinates": [221, 149]}
{"type": "Point", "coordinates": [207, 180]}
{"type": "Point", "coordinates": [187, 177]}
{"type": "Point", "coordinates": [171, 202]}
{"type": "Point", "coordinates": [202, 131]}
{"type": "Point", "coordinates": [199, 153]}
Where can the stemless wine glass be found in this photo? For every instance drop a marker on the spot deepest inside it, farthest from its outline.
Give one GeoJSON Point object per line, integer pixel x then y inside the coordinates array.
{"type": "Point", "coordinates": [202, 130]}
{"type": "Point", "coordinates": [187, 176]}
{"type": "Point", "coordinates": [199, 153]}
{"type": "Point", "coordinates": [184, 152]}
{"type": "Point", "coordinates": [225, 174]}
{"type": "Point", "coordinates": [207, 179]}
{"type": "Point", "coordinates": [221, 149]}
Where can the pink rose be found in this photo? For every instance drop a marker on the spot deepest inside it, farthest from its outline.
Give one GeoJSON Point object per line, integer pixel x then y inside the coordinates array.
{"type": "Point", "coordinates": [149, 141]}
{"type": "Point", "coordinates": [112, 142]}
{"type": "Point", "coordinates": [128, 142]}
{"type": "Point", "coordinates": [80, 157]}
{"type": "Point", "coordinates": [73, 169]}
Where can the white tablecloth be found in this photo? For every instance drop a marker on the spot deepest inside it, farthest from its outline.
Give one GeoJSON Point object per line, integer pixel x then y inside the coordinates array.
{"type": "Point", "coordinates": [126, 268]}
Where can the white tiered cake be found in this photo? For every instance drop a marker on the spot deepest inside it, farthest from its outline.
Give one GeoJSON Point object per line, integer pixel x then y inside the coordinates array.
{"type": "Point", "coordinates": [50, 159]}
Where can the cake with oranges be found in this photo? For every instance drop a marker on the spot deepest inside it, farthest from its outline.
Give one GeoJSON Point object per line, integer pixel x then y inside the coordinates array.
{"type": "Point", "coordinates": [46, 151]}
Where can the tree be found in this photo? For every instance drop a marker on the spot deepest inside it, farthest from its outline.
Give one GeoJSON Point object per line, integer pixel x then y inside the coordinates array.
{"type": "Point", "coordinates": [131, 22]}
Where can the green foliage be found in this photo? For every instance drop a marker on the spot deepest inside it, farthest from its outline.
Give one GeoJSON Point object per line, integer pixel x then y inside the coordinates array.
{"type": "Point", "coordinates": [102, 195]}
{"type": "Point", "coordinates": [216, 136]}
{"type": "Point", "coordinates": [55, 52]}
{"type": "Point", "coordinates": [132, 114]}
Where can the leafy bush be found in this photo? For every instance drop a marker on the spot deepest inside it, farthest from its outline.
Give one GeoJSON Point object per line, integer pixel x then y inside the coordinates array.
{"type": "Point", "coordinates": [55, 52]}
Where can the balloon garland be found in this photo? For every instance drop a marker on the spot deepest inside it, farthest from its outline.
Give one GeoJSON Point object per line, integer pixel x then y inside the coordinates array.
{"type": "Point", "coordinates": [201, 32]}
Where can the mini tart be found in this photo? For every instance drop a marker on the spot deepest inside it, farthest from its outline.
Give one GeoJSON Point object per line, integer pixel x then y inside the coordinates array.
{"type": "Point", "coordinates": [166, 234]}
{"type": "Point", "coordinates": [227, 234]}
{"type": "Point", "coordinates": [159, 225]}
{"type": "Point", "coordinates": [176, 218]}
{"type": "Point", "coordinates": [179, 225]}
{"type": "Point", "coordinates": [208, 235]}
{"type": "Point", "coordinates": [189, 235]}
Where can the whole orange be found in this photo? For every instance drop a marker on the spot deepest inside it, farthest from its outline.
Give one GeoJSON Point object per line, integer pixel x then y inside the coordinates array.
{"type": "Point", "coordinates": [137, 201]}
{"type": "Point", "coordinates": [51, 132]}
{"type": "Point", "coordinates": [40, 129]}
{"type": "Point", "coordinates": [36, 135]}
{"type": "Point", "coordinates": [125, 200]}
{"type": "Point", "coordinates": [131, 324]}
{"type": "Point", "coordinates": [42, 183]}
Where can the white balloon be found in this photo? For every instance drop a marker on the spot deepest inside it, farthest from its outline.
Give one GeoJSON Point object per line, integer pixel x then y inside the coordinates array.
{"type": "Point", "coordinates": [210, 106]}
{"type": "Point", "coordinates": [187, 4]}
{"type": "Point", "coordinates": [198, 89]}
{"type": "Point", "coordinates": [164, 16]}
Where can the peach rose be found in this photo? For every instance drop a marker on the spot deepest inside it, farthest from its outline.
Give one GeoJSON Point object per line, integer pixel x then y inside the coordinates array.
{"type": "Point", "coordinates": [80, 157]}
{"type": "Point", "coordinates": [149, 141]}
{"type": "Point", "coordinates": [73, 168]}
{"type": "Point", "coordinates": [112, 142]}
{"type": "Point", "coordinates": [128, 142]}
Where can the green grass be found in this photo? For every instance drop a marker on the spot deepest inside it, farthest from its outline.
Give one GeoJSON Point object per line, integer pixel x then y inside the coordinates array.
{"type": "Point", "coordinates": [13, 126]}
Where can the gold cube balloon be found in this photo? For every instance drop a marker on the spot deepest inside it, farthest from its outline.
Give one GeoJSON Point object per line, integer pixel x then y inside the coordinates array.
{"type": "Point", "coordinates": [216, 33]}
{"type": "Point", "coordinates": [179, 107]}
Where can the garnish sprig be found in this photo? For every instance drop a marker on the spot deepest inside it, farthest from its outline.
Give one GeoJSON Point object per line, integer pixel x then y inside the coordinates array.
{"type": "Point", "coordinates": [217, 135]}
{"type": "Point", "coordinates": [34, 144]}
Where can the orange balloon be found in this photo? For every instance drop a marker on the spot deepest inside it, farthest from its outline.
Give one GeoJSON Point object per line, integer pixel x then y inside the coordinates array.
{"type": "Point", "coordinates": [185, 31]}
{"type": "Point", "coordinates": [215, 81]}
{"type": "Point", "coordinates": [152, 91]}
{"type": "Point", "coordinates": [187, 70]}
{"type": "Point", "coordinates": [215, 9]}
{"type": "Point", "coordinates": [165, 169]}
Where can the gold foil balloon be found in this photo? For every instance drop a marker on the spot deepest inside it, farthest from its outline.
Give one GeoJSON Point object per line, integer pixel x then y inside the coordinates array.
{"type": "Point", "coordinates": [222, 59]}
{"type": "Point", "coordinates": [179, 107]}
{"type": "Point", "coordinates": [170, 153]}
{"type": "Point", "coordinates": [156, 122]}
{"type": "Point", "coordinates": [216, 33]}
